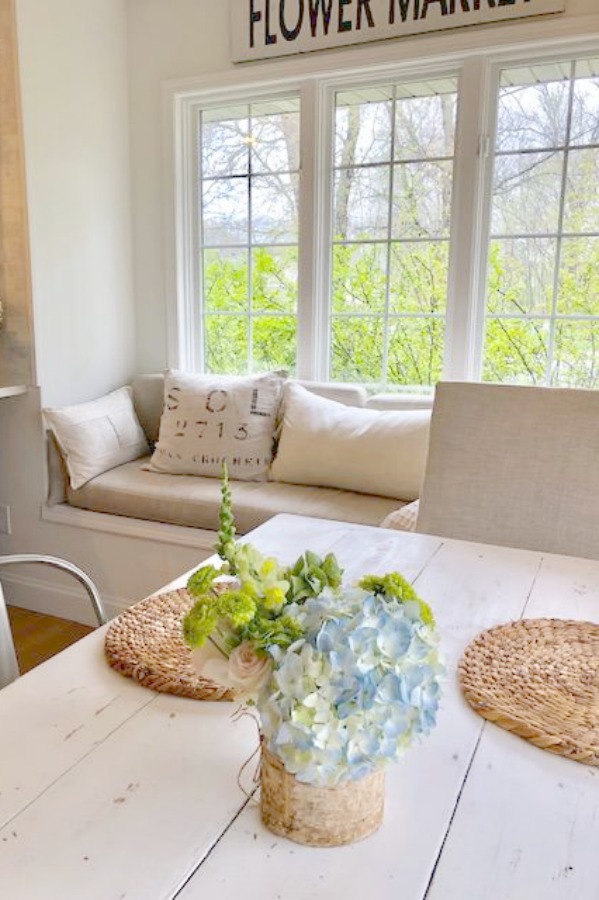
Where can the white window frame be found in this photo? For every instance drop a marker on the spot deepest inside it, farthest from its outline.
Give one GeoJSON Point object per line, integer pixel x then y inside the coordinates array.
{"type": "Point", "coordinates": [495, 70]}
{"type": "Point", "coordinates": [478, 72]}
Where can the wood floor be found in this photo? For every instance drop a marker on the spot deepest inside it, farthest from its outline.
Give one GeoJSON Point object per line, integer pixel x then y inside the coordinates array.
{"type": "Point", "coordinates": [38, 637]}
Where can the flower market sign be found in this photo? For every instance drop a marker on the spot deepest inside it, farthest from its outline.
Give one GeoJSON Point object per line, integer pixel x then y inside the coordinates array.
{"type": "Point", "coordinates": [267, 28]}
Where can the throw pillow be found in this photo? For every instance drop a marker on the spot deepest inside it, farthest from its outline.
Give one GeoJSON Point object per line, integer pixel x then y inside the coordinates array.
{"type": "Point", "coordinates": [212, 419]}
{"type": "Point", "coordinates": [403, 519]}
{"type": "Point", "coordinates": [328, 444]}
{"type": "Point", "coordinates": [96, 436]}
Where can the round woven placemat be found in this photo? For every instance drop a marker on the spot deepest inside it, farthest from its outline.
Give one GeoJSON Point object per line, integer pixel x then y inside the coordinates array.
{"type": "Point", "coordinates": [146, 643]}
{"type": "Point", "coordinates": [539, 678]}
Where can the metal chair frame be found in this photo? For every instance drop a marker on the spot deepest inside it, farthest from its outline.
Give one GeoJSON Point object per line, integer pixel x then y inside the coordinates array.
{"type": "Point", "coordinates": [9, 667]}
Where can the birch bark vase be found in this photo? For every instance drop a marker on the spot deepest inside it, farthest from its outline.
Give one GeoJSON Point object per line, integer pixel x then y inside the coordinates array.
{"type": "Point", "coordinates": [319, 816]}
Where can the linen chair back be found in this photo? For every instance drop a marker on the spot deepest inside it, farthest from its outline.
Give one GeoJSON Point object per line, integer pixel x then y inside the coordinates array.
{"type": "Point", "coordinates": [516, 466]}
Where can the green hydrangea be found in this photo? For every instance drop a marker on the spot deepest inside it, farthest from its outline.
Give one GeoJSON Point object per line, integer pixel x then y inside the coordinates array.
{"type": "Point", "coordinates": [394, 586]}
{"type": "Point", "coordinates": [200, 623]}
{"type": "Point", "coordinates": [311, 575]}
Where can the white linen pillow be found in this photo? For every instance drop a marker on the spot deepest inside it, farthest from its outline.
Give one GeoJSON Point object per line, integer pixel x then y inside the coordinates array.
{"type": "Point", "coordinates": [97, 436]}
{"type": "Point", "coordinates": [212, 419]}
{"type": "Point", "coordinates": [370, 451]}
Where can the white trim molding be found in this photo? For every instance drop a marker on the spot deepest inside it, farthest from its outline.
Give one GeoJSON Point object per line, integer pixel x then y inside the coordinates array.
{"type": "Point", "coordinates": [160, 532]}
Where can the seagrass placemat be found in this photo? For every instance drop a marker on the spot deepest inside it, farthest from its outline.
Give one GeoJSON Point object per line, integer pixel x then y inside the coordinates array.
{"type": "Point", "coordinates": [539, 678]}
{"type": "Point", "coordinates": [146, 643]}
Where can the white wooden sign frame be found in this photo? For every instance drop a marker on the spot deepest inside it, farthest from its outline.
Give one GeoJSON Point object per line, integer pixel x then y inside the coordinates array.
{"type": "Point", "coordinates": [262, 29]}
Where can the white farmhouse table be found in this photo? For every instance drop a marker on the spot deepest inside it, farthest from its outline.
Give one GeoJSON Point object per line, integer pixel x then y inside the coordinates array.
{"type": "Point", "coordinates": [111, 792]}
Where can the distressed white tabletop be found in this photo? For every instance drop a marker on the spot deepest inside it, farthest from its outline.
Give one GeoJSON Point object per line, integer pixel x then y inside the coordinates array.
{"type": "Point", "coordinates": [110, 791]}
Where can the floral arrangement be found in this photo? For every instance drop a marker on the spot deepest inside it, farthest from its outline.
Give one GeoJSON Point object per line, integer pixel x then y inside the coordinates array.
{"type": "Point", "coordinates": [343, 678]}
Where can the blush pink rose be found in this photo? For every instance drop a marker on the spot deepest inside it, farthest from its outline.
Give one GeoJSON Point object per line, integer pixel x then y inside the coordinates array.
{"type": "Point", "coordinates": [244, 672]}
{"type": "Point", "coordinates": [248, 669]}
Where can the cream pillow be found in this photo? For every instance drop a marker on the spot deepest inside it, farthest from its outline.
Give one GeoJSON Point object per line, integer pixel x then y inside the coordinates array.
{"type": "Point", "coordinates": [96, 436]}
{"type": "Point", "coordinates": [212, 419]}
{"type": "Point", "coordinates": [403, 519]}
{"type": "Point", "coordinates": [370, 451]}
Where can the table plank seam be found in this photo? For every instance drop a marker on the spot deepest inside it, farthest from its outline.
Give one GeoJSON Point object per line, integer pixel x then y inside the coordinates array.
{"type": "Point", "coordinates": [425, 565]}
{"type": "Point", "coordinates": [74, 765]}
{"type": "Point", "coordinates": [454, 812]}
{"type": "Point", "coordinates": [213, 846]}
{"type": "Point", "coordinates": [532, 587]}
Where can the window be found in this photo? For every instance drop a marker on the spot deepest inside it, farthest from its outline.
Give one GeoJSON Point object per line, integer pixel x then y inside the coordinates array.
{"type": "Point", "coordinates": [393, 168]}
{"type": "Point", "coordinates": [249, 190]}
{"type": "Point", "coordinates": [542, 322]}
{"type": "Point", "coordinates": [395, 230]}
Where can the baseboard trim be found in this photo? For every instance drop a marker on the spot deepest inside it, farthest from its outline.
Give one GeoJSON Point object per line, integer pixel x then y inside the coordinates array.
{"type": "Point", "coordinates": [63, 601]}
{"type": "Point", "coordinates": [63, 514]}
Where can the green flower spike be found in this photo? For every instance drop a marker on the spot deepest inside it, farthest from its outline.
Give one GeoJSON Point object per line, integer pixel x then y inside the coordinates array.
{"type": "Point", "coordinates": [225, 546]}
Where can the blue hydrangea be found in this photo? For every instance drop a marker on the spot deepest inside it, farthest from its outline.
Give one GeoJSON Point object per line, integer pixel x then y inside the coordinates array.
{"type": "Point", "coordinates": [352, 694]}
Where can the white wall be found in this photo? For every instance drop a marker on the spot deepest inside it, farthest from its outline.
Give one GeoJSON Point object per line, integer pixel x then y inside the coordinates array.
{"type": "Point", "coordinates": [75, 111]}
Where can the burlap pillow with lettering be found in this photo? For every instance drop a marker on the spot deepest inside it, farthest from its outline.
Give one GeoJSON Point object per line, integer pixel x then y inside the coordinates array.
{"type": "Point", "coordinates": [212, 419]}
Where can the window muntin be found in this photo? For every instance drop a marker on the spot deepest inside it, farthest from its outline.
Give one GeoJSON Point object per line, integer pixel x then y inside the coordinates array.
{"type": "Point", "coordinates": [542, 308]}
{"type": "Point", "coordinates": [392, 205]}
{"type": "Point", "coordinates": [249, 213]}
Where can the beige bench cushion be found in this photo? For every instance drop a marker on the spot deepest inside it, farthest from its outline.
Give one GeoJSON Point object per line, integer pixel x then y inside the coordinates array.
{"type": "Point", "coordinates": [192, 500]}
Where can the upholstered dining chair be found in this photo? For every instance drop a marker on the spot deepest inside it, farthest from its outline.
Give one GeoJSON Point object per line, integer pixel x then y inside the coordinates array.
{"type": "Point", "coordinates": [516, 466]}
{"type": "Point", "coordinates": [9, 669]}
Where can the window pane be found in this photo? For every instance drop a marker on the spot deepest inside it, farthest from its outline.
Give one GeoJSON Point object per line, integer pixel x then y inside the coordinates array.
{"type": "Point", "coordinates": [578, 292]}
{"type": "Point", "coordinates": [550, 194]}
{"type": "Point", "coordinates": [224, 144]}
{"type": "Point", "coordinates": [274, 279]}
{"type": "Point", "coordinates": [249, 191]}
{"type": "Point", "coordinates": [533, 107]}
{"type": "Point", "coordinates": [585, 108]}
{"type": "Point", "coordinates": [516, 351]}
{"type": "Point", "coordinates": [362, 203]}
{"type": "Point", "coordinates": [416, 351]}
{"type": "Point", "coordinates": [225, 280]}
{"type": "Point", "coordinates": [391, 228]}
{"type": "Point", "coordinates": [275, 137]}
{"type": "Point", "coordinates": [419, 277]}
{"type": "Point", "coordinates": [521, 275]}
{"type": "Point", "coordinates": [359, 278]}
{"type": "Point", "coordinates": [274, 343]}
{"type": "Point", "coordinates": [425, 120]}
{"type": "Point", "coordinates": [225, 211]}
{"type": "Point", "coordinates": [357, 349]}
{"type": "Point", "coordinates": [576, 355]}
{"type": "Point", "coordinates": [422, 199]}
{"type": "Point", "coordinates": [275, 209]}
{"type": "Point", "coordinates": [363, 126]}
{"type": "Point", "coordinates": [582, 197]}
{"type": "Point", "coordinates": [526, 193]}
{"type": "Point", "coordinates": [226, 344]}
